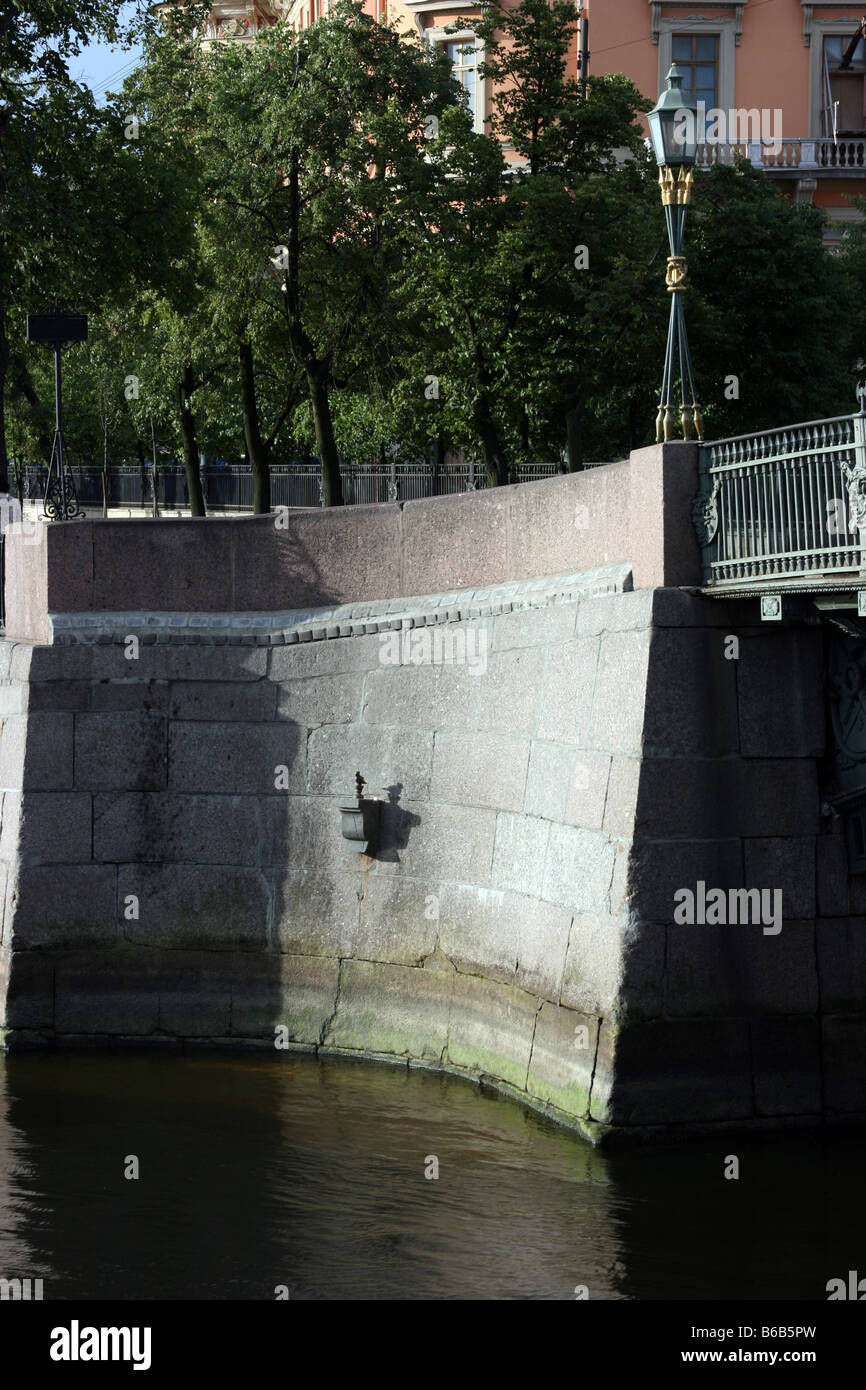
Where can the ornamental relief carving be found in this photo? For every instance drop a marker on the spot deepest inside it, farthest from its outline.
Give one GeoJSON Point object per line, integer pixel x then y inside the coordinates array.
{"type": "Point", "coordinates": [846, 698]}
{"type": "Point", "coordinates": [705, 516]}
{"type": "Point", "coordinates": [856, 480]}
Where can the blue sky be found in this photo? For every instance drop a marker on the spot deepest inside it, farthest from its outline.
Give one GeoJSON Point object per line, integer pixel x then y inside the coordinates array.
{"type": "Point", "coordinates": [101, 67]}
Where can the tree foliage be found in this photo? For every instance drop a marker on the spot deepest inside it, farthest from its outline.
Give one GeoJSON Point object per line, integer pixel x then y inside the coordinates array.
{"type": "Point", "coordinates": [301, 247]}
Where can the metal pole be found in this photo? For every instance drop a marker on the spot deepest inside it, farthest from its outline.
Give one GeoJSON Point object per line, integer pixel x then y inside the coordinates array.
{"type": "Point", "coordinates": [60, 503]}
{"type": "Point", "coordinates": [60, 510]}
{"type": "Point", "coordinates": [58, 404]}
{"type": "Point", "coordinates": [155, 477]}
{"type": "Point", "coordinates": [676, 190]}
{"type": "Point", "coordinates": [583, 54]}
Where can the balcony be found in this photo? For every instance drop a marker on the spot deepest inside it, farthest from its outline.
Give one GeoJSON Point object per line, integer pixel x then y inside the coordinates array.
{"type": "Point", "coordinates": [841, 158]}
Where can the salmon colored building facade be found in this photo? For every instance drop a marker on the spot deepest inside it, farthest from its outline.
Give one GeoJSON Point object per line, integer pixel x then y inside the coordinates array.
{"type": "Point", "coordinates": [776, 64]}
{"type": "Point", "coordinates": [773, 68]}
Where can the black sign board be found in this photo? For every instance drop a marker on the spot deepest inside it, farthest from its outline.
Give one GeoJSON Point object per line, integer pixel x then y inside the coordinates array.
{"type": "Point", "coordinates": [54, 326]}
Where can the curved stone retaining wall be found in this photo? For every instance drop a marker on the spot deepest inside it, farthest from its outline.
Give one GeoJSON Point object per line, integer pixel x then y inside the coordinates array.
{"type": "Point", "coordinates": [179, 870]}
{"type": "Point", "coordinates": [175, 869]}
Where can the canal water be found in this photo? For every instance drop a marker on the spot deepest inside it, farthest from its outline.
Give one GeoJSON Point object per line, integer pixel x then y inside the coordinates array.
{"type": "Point", "coordinates": [256, 1172]}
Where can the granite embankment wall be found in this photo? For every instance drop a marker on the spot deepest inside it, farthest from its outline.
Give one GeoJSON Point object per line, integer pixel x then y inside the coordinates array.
{"type": "Point", "coordinates": [635, 512]}
{"type": "Point", "coordinates": [175, 869]}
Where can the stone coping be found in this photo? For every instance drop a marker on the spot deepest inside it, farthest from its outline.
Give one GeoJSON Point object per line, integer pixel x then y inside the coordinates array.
{"type": "Point", "coordinates": [636, 512]}
{"type": "Point", "coordinates": [344, 620]}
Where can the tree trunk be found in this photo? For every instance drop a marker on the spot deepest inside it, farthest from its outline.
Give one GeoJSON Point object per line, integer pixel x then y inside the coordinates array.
{"type": "Point", "coordinates": [257, 451]}
{"type": "Point", "coordinates": [304, 351]}
{"type": "Point", "coordinates": [495, 463]}
{"type": "Point", "coordinates": [524, 430]}
{"type": "Point", "coordinates": [142, 464]}
{"type": "Point", "coordinates": [438, 464]}
{"type": "Point", "coordinates": [332, 484]}
{"type": "Point", "coordinates": [4, 364]}
{"type": "Point", "coordinates": [190, 444]}
{"type": "Point", "coordinates": [574, 439]}
{"type": "Point", "coordinates": [23, 385]}
{"type": "Point", "coordinates": [105, 478]}
{"type": "Point", "coordinates": [635, 432]}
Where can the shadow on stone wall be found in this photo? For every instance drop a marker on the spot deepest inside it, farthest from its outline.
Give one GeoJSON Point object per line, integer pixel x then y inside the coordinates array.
{"type": "Point", "coordinates": [177, 870]}
{"type": "Point", "coordinates": [397, 824]}
{"type": "Point", "coordinates": [143, 843]}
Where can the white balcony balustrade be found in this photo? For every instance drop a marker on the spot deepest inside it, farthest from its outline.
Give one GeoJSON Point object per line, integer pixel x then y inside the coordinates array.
{"type": "Point", "coordinates": [846, 154]}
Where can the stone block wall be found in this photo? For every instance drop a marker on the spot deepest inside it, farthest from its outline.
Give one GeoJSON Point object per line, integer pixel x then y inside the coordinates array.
{"type": "Point", "coordinates": [175, 869]}
{"type": "Point", "coordinates": [729, 795]}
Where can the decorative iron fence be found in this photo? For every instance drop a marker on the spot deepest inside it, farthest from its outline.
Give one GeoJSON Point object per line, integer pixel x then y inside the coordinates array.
{"type": "Point", "coordinates": [784, 505]}
{"type": "Point", "coordinates": [229, 487]}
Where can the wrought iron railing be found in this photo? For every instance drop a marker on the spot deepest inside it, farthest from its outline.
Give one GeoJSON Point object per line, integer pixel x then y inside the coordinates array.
{"type": "Point", "coordinates": [229, 487]}
{"type": "Point", "coordinates": [784, 508]}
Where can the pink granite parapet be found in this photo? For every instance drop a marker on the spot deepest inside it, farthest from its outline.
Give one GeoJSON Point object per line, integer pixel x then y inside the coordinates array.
{"type": "Point", "coordinates": [637, 512]}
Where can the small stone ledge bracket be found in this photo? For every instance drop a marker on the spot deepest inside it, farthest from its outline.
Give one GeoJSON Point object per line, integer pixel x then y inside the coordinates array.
{"type": "Point", "coordinates": [360, 819]}
{"type": "Point", "coordinates": [346, 620]}
{"type": "Point", "coordinates": [771, 608]}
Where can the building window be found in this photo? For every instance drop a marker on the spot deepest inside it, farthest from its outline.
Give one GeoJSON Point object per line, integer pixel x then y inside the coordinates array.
{"type": "Point", "coordinates": [466, 53]}
{"type": "Point", "coordinates": [844, 108]}
{"type": "Point", "coordinates": [697, 56]}
{"type": "Point", "coordinates": [464, 66]}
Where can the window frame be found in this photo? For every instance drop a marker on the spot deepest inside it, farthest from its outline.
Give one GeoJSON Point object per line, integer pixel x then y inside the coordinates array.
{"type": "Point", "coordinates": [443, 34]}
{"type": "Point", "coordinates": [694, 63]}
{"type": "Point", "coordinates": [848, 79]}
{"type": "Point", "coordinates": [725, 28]}
{"type": "Point", "coordinates": [821, 29]}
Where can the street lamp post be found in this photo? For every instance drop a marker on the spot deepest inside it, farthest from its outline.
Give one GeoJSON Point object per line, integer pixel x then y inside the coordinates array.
{"type": "Point", "coordinates": [582, 49]}
{"type": "Point", "coordinates": [55, 327]}
{"type": "Point", "coordinates": [673, 131]}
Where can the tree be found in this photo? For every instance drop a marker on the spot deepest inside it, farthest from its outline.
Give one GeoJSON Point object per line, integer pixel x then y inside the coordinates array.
{"type": "Point", "coordinates": [506, 288]}
{"type": "Point", "coordinates": [261, 385]}
{"type": "Point", "coordinates": [97, 201]}
{"type": "Point", "coordinates": [769, 313]}
{"type": "Point", "coordinates": [316, 141]}
{"type": "Point", "coordinates": [853, 263]}
{"type": "Point", "coordinates": [45, 120]}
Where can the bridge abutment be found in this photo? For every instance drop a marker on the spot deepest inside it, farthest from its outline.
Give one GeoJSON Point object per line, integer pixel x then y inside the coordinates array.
{"type": "Point", "coordinates": [172, 845]}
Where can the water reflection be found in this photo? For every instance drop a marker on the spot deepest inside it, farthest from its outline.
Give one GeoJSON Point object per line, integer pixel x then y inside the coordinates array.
{"type": "Point", "coordinates": [261, 1170]}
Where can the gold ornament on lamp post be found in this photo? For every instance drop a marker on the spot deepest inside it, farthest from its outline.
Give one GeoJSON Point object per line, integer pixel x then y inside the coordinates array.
{"type": "Point", "coordinates": [673, 131]}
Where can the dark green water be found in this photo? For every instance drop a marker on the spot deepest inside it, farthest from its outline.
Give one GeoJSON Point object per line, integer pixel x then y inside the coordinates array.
{"type": "Point", "coordinates": [257, 1171]}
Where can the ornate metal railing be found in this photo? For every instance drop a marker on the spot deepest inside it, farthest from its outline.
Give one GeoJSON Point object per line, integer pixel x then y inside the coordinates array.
{"type": "Point", "coordinates": [784, 508]}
